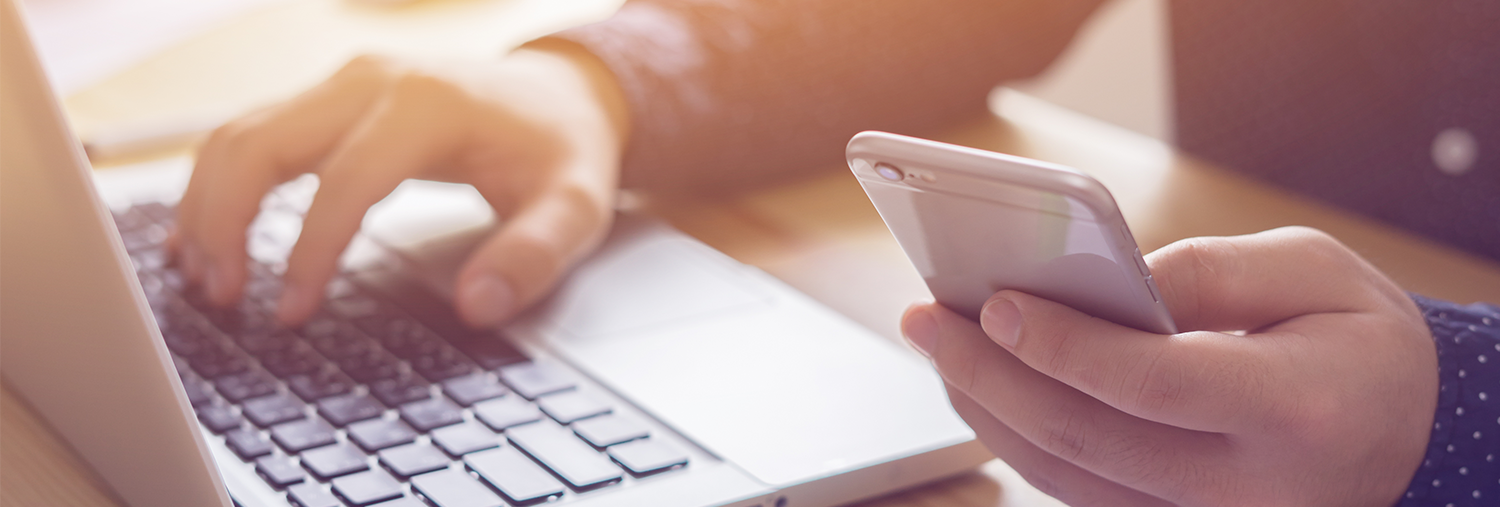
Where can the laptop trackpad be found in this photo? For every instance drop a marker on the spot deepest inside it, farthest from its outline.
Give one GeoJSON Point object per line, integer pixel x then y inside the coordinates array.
{"type": "Point", "coordinates": [646, 276]}
{"type": "Point", "coordinates": [739, 363]}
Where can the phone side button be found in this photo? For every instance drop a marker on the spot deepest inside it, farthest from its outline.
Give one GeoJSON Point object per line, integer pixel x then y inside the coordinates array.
{"type": "Point", "coordinates": [1140, 263]}
{"type": "Point", "coordinates": [1151, 285]}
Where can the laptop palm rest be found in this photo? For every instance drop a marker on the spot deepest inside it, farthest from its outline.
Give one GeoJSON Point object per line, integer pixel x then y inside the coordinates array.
{"type": "Point", "coordinates": [742, 364]}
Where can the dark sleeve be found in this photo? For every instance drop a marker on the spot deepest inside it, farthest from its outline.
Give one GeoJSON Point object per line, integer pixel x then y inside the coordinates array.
{"type": "Point", "coordinates": [1460, 467]}
{"type": "Point", "coordinates": [758, 88]}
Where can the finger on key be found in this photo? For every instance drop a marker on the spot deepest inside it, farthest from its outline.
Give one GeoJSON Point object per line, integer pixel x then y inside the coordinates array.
{"type": "Point", "coordinates": [247, 157]}
{"type": "Point", "coordinates": [402, 134]}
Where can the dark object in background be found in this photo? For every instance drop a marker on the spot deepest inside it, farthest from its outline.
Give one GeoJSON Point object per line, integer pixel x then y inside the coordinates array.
{"type": "Point", "coordinates": [1390, 108]}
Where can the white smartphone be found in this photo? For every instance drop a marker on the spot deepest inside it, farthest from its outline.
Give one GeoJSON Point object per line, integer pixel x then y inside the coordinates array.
{"type": "Point", "coordinates": [976, 222]}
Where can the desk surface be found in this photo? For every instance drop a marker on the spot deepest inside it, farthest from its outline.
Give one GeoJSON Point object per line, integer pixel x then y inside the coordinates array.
{"type": "Point", "coordinates": [819, 234]}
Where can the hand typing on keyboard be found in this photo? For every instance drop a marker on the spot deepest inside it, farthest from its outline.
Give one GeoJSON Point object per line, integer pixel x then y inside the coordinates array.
{"type": "Point", "coordinates": [1327, 399]}
{"type": "Point", "coordinates": [538, 133]}
{"type": "Point", "coordinates": [384, 395]}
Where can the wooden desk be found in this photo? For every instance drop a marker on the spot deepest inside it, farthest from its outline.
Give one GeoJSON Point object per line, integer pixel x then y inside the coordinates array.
{"type": "Point", "coordinates": [820, 234]}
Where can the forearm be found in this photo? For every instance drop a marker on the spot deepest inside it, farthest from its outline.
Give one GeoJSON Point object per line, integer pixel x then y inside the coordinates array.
{"type": "Point", "coordinates": [726, 92]}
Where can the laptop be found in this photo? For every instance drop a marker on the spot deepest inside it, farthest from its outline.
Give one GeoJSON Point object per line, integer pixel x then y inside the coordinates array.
{"type": "Point", "coordinates": [659, 373]}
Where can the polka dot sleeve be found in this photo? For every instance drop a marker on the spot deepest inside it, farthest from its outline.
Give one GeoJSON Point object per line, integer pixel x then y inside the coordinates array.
{"type": "Point", "coordinates": [1460, 468]}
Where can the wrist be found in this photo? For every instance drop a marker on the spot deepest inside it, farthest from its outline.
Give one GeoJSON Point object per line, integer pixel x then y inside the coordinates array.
{"type": "Point", "coordinates": [596, 79]}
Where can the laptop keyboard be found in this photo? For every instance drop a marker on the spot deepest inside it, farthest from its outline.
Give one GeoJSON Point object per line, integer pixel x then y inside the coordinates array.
{"type": "Point", "coordinates": [384, 398]}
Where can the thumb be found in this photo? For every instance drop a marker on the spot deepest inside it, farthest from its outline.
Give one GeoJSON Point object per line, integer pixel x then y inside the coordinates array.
{"type": "Point", "coordinates": [523, 260]}
{"type": "Point", "coordinates": [1195, 380]}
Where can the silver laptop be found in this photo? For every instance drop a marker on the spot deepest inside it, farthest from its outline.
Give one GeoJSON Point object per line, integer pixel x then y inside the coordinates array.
{"type": "Point", "coordinates": [661, 373]}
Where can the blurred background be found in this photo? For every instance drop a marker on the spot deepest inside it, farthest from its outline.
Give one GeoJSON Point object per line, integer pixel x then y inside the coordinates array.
{"type": "Point", "coordinates": [145, 65]}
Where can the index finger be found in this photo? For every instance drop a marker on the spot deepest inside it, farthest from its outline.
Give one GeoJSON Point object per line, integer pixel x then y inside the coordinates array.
{"type": "Point", "coordinates": [1257, 280]}
{"type": "Point", "coordinates": [396, 139]}
{"type": "Point", "coordinates": [246, 158]}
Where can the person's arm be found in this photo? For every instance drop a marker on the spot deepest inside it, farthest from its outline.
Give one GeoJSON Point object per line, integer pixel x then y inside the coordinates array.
{"type": "Point", "coordinates": [727, 92]}
{"type": "Point", "coordinates": [1461, 466]}
{"type": "Point", "coordinates": [703, 91]}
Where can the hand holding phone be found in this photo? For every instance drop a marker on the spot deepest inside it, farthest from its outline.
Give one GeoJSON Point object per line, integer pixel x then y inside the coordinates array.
{"type": "Point", "coordinates": [1327, 400]}
{"type": "Point", "coordinates": [975, 223]}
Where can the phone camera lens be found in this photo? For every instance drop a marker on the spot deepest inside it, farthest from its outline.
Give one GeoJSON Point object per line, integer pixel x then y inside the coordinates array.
{"type": "Point", "coordinates": [889, 172]}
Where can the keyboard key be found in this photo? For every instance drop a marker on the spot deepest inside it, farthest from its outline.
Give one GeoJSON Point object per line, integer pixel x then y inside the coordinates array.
{"type": "Point", "coordinates": [648, 456]}
{"type": "Point", "coordinates": [433, 413]}
{"type": "Point", "coordinates": [248, 444]}
{"type": "Point", "coordinates": [157, 294]}
{"type": "Point", "coordinates": [345, 409]}
{"type": "Point", "coordinates": [301, 435]}
{"type": "Point", "coordinates": [279, 471]}
{"type": "Point", "coordinates": [262, 286]}
{"type": "Point", "coordinates": [532, 379]}
{"type": "Point", "coordinates": [243, 386]}
{"type": "Point", "coordinates": [489, 352]}
{"type": "Point", "coordinates": [219, 418]}
{"type": "Point", "coordinates": [402, 336]}
{"type": "Point", "coordinates": [297, 358]}
{"type": "Point", "coordinates": [607, 430]}
{"type": "Point", "coordinates": [442, 364]}
{"type": "Point", "coordinates": [515, 476]}
{"type": "Point", "coordinates": [437, 314]}
{"type": "Point", "coordinates": [336, 340]}
{"type": "Point", "coordinates": [199, 391]}
{"type": "Point", "coordinates": [389, 323]}
{"type": "Point", "coordinates": [184, 335]}
{"type": "Point", "coordinates": [400, 390]}
{"type": "Point", "coordinates": [454, 488]}
{"type": "Point", "coordinates": [377, 434]}
{"type": "Point", "coordinates": [572, 406]}
{"type": "Point", "coordinates": [320, 384]}
{"type": "Point", "coordinates": [470, 389]}
{"type": "Point", "coordinates": [219, 365]}
{"type": "Point", "coordinates": [244, 318]}
{"type": "Point", "coordinates": [312, 494]}
{"type": "Point", "coordinates": [461, 439]}
{"type": "Point", "coordinates": [367, 487]}
{"type": "Point", "coordinates": [274, 409]}
{"type": "Point", "coordinates": [565, 454]}
{"type": "Point", "coordinates": [334, 461]}
{"type": "Point", "coordinates": [413, 459]}
{"type": "Point", "coordinates": [218, 359]}
{"type": "Point", "coordinates": [171, 312]}
{"type": "Point", "coordinates": [502, 413]}
{"type": "Point", "coordinates": [199, 302]}
{"type": "Point", "coordinates": [405, 501]}
{"type": "Point", "coordinates": [184, 371]}
{"type": "Point", "coordinates": [261, 343]}
{"type": "Point", "coordinates": [369, 366]}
